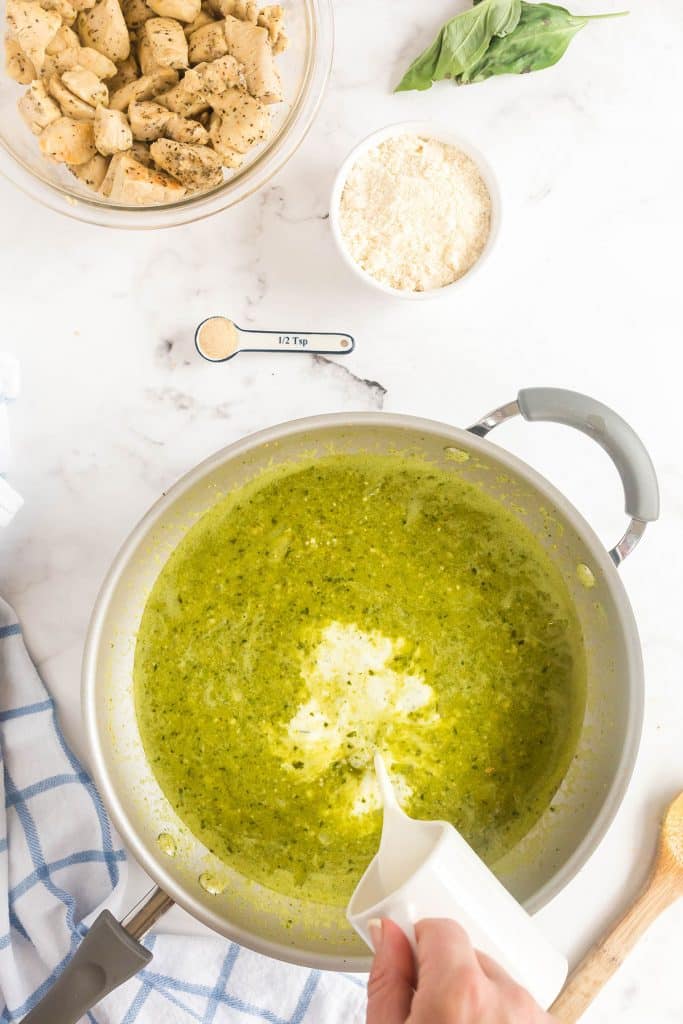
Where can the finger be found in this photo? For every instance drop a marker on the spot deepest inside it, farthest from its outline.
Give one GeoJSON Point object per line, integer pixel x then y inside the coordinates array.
{"type": "Point", "coordinates": [493, 970]}
{"type": "Point", "coordinates": [390, 986]}
{"type": "Point", "coordinates": [442, 946]}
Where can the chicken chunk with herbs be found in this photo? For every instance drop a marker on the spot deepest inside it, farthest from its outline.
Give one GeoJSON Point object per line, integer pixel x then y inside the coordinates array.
{"type": "Point", "coordinates": [93, 60]}
{"type": "Point", "coordinates": [112, 131]}
{"type": "Point", "coordinates": [167, 43]}
{"type": "Point", "coordinates": [208, 43]}
{"type": "Point", "coordinates": [136, 13]}
{"type": "Point", "coordinates": [144, 88]}
{"type": "Point", "coordinates": [92, 172]}
{"type": "Point", "coordinates": [196, 167]}
{"type": "Point", "coordinates": [17, 65]}
{"type": "Point", "coordinates": [70, 104]}
{"type": "Point", "coordinates": [250, 46]}
{"type": "Point", "coordinates": [37, 108]}
{"type": "Point", "coordinates": [272, 18]}
{"type": "Point", "coordinates": [240, 123]}
{"type": "Point", "coordinates": [185, 129]}
{"type": "Point", "coordinates": [181, 10]}
{"type": "Point", "coordinates": [129, 181]}
{"type": "Point", "coordinates": [147, 120]}
{"type": "Point", "coordinates": [33, 28]}
{"type": "Point", "coordinates": [67, 141]}
{"type": "Point", "coordinates": [104, 28]}
{"type": "Point", "coordinates": [87, 86]}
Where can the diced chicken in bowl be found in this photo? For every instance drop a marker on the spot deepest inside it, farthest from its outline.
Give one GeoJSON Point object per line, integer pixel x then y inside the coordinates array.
{"type": "Point", "coordinates": [146, 101]}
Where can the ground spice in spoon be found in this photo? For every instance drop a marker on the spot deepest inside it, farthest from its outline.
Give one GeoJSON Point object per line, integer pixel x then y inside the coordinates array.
{"type": "Point", "coordinates": [218, 338]}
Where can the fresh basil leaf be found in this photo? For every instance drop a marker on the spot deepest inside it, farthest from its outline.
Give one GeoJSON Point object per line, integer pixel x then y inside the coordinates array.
{"type": "Point", "coordinates": [542, 35]}
{"type": "Point", "coordinates": [462, 42]}
{"type": "Point", "coordinates": [422, 71]}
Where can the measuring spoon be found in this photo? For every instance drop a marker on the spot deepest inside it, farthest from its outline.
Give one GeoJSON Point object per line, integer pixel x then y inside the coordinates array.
{"type": "Point", "coordinates": [218, 339]}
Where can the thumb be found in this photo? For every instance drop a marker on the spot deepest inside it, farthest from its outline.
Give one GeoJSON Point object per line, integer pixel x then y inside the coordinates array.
{"type": "Point", "coordinates": [392, 978]}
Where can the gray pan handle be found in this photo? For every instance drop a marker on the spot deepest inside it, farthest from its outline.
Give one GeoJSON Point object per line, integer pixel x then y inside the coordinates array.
{"type": "Point", "coordinates": [108, 955]}
{"type": "Point", "coordinates": [610, 431]}
{"type": "Point", "coordinates": [106, 958]}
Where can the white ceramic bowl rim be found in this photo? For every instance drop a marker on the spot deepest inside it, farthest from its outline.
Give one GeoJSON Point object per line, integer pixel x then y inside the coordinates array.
{"type": "Point", "coordinates": [430, 129]}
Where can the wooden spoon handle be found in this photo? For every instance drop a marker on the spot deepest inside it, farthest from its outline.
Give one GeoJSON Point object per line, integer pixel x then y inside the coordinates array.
{"type": "Point", "coordinates": [604, 958]}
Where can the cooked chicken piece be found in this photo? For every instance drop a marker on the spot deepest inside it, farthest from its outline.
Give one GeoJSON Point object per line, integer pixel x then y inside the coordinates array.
{"type": "Point", "coordinates": [147, 120]}
{"type": "Point", "coordinates": [218, 75]}
{"type": "Point", "coordinates": [140, 150]}
{"type": "Point", "coordinates": [193, 166]}
{"type": "Point", "coordinates": [37, 108]}
{"type": "Point", "coordinates": [280, 44]}
{"type": "Point", "coordinates": [65, 10]}
{"type": "Point", "coordinates": [67, 141]}
{"type": "Point", "coordinates": [65, 39]}
{"type": "Point", "coordinates": [148, 64]}
{"type": "Point", "coordinates": [17, 64]}
{"type": "Point", "coordinates": [144, 88]}
{"type": "Point", "coordinates": [91, 173]}
{"type": "Point", "coordinates": [104, 28]}
{"type": "Point", "coordinates": [244, 121]}
{"type": "Point", "coordinates": [136, 13]}
{"type": "Point", "coordinates": [245, 10]}
{"type": "Point", "coordinates": [183, 129]}
{"type": "Point", "coordinates": [93, 60]}
{"type": "Point", "coordinates": [33, 28]}
{"type": "Point", "coordinates": [126, 72]}
{"type": "Point", "coordinates": [249, 45]}
{"type": "Point", "coordinates": [71, 105]}
{"type": "Point", "coordinates": [57, 63]}
{"type": "Point", "coordinates": [112, 132]}
{"type": "Point", "coordinates": [272, 18]}
{"type": "Point", "coordinates": [128, 181]}
{"type": "Point", "coordinates": [87, 86]}
{"type": "Point", "coordinates": [167, 42]}
{"type": "Point", "coordinates": [181, 10]}
{"type": "Point", "coordinates": [229, 157]}
{"type": "Point", "coordinates": [114, 161]}
{"type": "Point", "coordinates": [63, 52]}
{"type": "Point", "coordinates": [208, 43]}
{"type": "Point", "coordinates": [189, 97]}
{"type": "Point", "coordinates": [203, 18]}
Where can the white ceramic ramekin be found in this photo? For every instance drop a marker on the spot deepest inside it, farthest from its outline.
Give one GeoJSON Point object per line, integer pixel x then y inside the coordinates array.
{"type": "Point", "coordinates": [431, 130]}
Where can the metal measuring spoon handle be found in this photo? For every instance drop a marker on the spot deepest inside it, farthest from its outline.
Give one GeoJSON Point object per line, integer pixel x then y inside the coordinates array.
{"type": "Point", "coordinates": [218, 339]}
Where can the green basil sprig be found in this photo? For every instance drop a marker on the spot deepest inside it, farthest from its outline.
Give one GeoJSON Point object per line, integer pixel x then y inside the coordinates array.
{"type": "Point", "coordinates": [461, 43]}
{"type": "Point", "coordinates": [535, 37]}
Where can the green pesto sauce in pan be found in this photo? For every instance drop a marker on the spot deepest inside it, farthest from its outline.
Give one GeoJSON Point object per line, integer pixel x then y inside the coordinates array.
{"type": "Point", "coordinates": [355, 604]}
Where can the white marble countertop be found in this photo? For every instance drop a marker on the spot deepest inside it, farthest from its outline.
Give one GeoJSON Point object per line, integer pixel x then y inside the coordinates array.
{"type": "Point", "coordinates": [582, 291]}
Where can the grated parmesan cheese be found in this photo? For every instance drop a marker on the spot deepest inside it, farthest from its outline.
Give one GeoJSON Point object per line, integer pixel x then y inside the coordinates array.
{"type": "Point", "coordinates": [415, 213]}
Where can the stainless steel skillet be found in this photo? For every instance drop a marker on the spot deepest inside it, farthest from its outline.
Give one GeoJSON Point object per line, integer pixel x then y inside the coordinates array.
{"type": "Point", "coordinates": [559, 844]}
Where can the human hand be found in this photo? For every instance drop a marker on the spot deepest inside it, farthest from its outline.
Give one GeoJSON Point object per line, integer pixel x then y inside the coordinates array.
{"type": "Point", "coordinates": [451, 983]}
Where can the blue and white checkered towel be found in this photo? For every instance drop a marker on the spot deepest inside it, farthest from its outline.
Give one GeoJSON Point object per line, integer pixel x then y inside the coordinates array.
{"type": "Point", "coordinates": [61, 863]}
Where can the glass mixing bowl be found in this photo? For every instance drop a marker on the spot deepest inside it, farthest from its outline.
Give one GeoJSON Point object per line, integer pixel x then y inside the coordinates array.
{"type": "Point", "coordinates": [304, 68]}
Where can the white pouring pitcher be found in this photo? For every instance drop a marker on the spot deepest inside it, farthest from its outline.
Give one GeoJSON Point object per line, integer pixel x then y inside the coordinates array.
{"type": "Point", "coordinates": [426, 869]}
